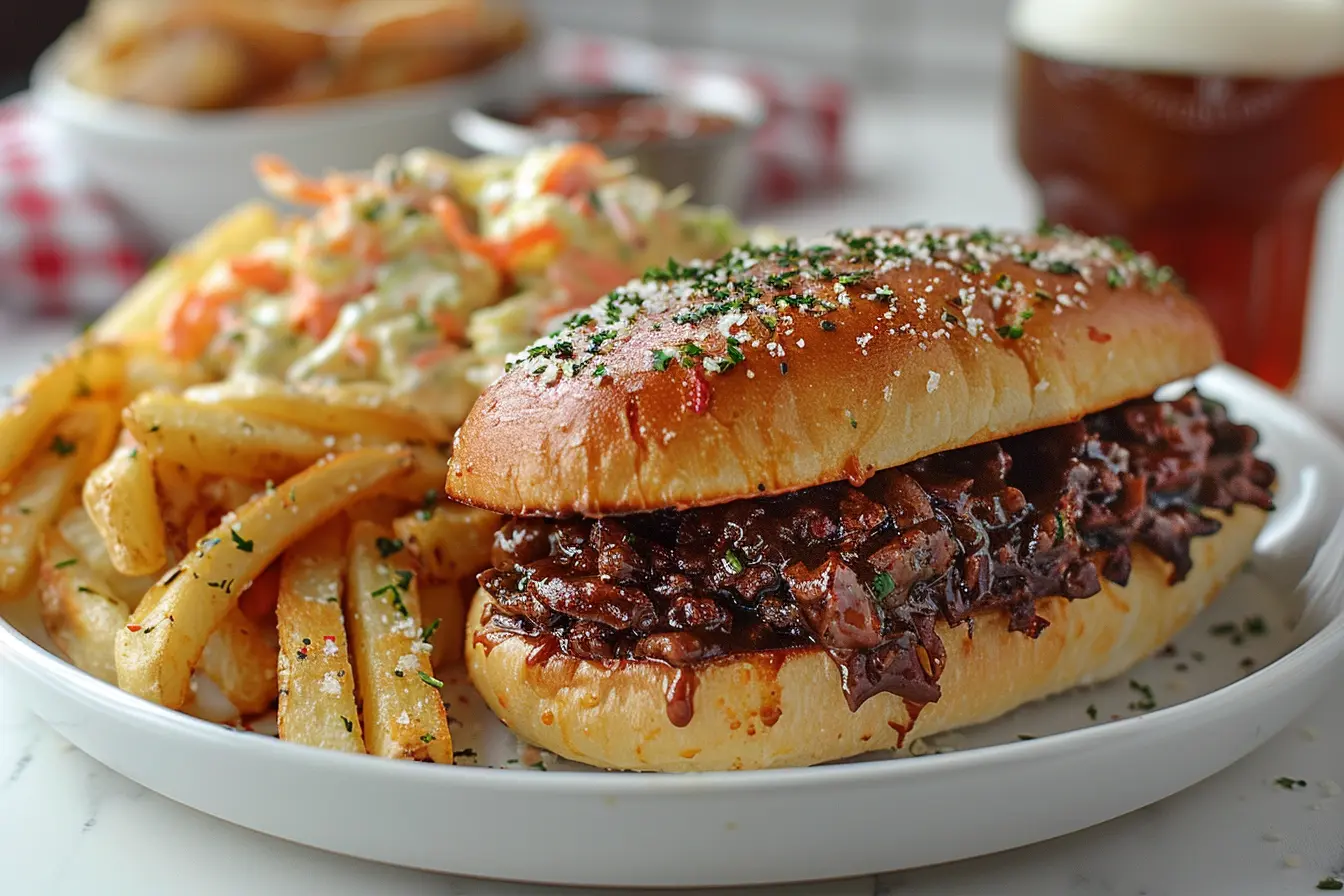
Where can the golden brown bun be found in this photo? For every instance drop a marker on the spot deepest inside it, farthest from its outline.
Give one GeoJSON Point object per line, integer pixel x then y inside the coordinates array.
{"type": "Point", "coordinates": [872, 382]}
{"type": "Point", "coordinates": [745, 716]}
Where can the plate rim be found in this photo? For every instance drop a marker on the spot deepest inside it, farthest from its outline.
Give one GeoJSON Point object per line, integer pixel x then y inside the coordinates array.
{"type": "Point", "coordinates": [1320, 650]}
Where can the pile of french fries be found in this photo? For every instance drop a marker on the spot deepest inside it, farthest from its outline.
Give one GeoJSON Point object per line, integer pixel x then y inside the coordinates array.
{"type": "Point", "coordinates": [288, 544]}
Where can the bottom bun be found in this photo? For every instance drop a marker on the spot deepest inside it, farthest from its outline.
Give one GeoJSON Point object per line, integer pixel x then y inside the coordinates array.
{"type": "Point", "coordinates": [785, 707]}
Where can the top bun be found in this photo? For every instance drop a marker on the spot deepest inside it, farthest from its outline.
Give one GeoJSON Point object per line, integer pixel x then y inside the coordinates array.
{"type": "Point", "coordinates": [775, 369]}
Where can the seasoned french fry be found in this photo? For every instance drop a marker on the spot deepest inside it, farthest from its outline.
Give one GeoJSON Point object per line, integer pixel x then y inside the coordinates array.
{"type": "Point", "coordinates": [148, 368]}
{"type": "Point", "coordinates": [83, 612]}
{"type": "Point", "coordinates": [83, 538]}
{"type": "Point", "coordinates": [122, 500]}
{"type": "Point", "coordinates": [444, 608]}
{"type": "Point", "coordinates": [344, 410]}
{"type": "Point", "coordinates": [404, 717]}
{"type": "Point", "coordinates": [217, 439]}
{"type": "Point", "coordinates": [39, 490]}
{"type": "Point", "coordinates": [424, 484]}
{"type": "Point", "coordinates": [451, 542]}
{"type": "Point", "coordinates": [158, 648]}
{"type": "Point", "coordinates": [239, 659]}
{"type": "Point", "coordinates": [317, 685]}
{"type": "Point", "coordinates": [78, 609]}
{"type": "Point", "coordinates": [89, 369]}
{"type": "Point", "coordinates": [234, 234]}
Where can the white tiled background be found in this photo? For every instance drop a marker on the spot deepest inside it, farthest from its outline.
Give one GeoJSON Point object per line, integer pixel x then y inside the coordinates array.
{"type": "Point", "coordinates": [892, 44]}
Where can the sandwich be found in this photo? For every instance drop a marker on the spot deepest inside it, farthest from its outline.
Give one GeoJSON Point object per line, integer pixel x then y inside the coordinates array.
{"type": "Point", "coordinates": [820, 498]}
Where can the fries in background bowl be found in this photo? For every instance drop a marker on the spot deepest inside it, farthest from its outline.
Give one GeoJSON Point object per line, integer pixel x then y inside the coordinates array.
{"type": "Point", "coordinates": [237, 475]}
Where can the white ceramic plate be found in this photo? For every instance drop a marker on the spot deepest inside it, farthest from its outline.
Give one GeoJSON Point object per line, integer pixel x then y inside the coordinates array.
{"type": "Point", "coordinates": [987, 789]}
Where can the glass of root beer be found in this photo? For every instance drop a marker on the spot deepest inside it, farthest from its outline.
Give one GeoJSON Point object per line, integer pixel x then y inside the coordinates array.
{"type": "Point", "coordinates": [1203, 131]}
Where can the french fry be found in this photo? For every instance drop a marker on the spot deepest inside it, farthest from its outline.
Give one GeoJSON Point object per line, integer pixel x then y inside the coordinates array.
{"type": "Point", "coordinates": [83, 612]}
{"type": "Point", "coordinates": [79, 609]}
{"type": "Point", "coordinates": [89, 369]}
{"type": "Point", "coordinates": [445, 606]}
{"type": "Point", "coordinates": [148, 368]}
{"type": "Point", "coordinates": [39, 490]}
{"type": "Point", "coordinates": [343, 410]}
{"type": "Point", "coordinates": [121, 497]}
{"type": "Point", "coordinates": [163, 640]}
{"type": "Point", "coordinates": [317, 685]}
{"type": "Point", "coordinates": [83, 538]}
{"type": "Point", "coordinates": [450, 542]}
{"type": "Point", "coordinates": [217, 439]}
{"type": "Point", "coordinates": [404, 717]}
{"type": "Point", "coordinates": [239, 659]}
{"type": "Point", "coordinates": [234, 234]}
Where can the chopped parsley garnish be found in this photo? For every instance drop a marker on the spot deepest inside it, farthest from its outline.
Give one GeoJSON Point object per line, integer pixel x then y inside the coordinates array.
{"type": "Point", "coordinates": [428, 631]}
{"type": "Point", "coordinates": [600, 371]}
{"type": "Point", "coordinates": [1115, 279]}
{"type": "Point", "coordinates": [1010, 331]}
{"type": "Point", "coordinates": [1004, 282]}
{"type": "Point", "coordinates": [427, 738]}
{"type": "Point", "coordinates": [1330, 883]}
{"type": "Point", "coordinates": [403, 578]}
{"type": "Point", "coordinates": [349, 725]}
{"type": "Point", "coordinates": [83, 589]}
{"type": "Point", "coordinates": [427, 505]}
{"type": "Point", "coordinates": [828, 326]}
{"type": "Point", "coordinates": [883, 585]}
{"type": "Point", "coordinates": [66, 564]}
{"type": "Point", "coordinates": [430, 680]}
{"type": "Point", "coordinates": [732, 562]}
{"type": "Point", "coordinates": [243, 544]}
{"type": "Point", "coordinates": [389, 546]}
{"type": "Point", "coordinates": [973, 267]}
{"type": "Point", "coordinates": [1147, 701]}
{"type": "Point", "coordinates": [1063, 268]}
{"type": "Point", "coordinates": [885, 292]}
{"type": "Point", "coordinates": [661, 358]}
{"type": "Point", "coordinates": [1290, 783]}
{"type": "Point", "coordinates": [468, 753]}
{"type": "Point", "coordinates": [1092, 711]}
{"type": "Point", "coordinates": [61, 447]}
{"type": "Point", "coordinates": [1158, 276]}
{"type": "Point", "coordinates": [538, 765]}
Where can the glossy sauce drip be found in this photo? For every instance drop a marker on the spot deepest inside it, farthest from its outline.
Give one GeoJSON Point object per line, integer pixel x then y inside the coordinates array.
{"type": "Point", "coordinates": [681, 696]}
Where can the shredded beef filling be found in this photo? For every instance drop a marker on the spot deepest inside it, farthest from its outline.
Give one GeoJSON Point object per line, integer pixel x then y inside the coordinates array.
{"type": "Point", "coordinates": [865, 572]}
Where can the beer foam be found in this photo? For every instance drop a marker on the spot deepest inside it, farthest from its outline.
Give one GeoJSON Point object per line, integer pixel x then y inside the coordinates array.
{"type": "Point", "coordinates": [1266, 38]}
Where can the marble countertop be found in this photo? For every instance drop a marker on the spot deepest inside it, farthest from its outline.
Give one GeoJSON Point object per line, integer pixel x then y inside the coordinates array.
{"type": "Point", "coordinates": [68, 825]}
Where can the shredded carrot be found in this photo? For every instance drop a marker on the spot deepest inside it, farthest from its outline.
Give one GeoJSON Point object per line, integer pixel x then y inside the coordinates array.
{"type": "Point", "coordinates": [313, 311]}
{"type": "Point", "coordinates": [450, 326]}
{"type": "Point", "coordinates": [455, 228]}
{"type": "Point", "coordinates": [535, 237]}
{"type": "Point", "coordinates": [572, 171]}
{"type": "Point", "coordinates": [359, 349]}
{"type": "Point", "coordinates": [263, 273]}
{"type": "Point", "coordinates": [431, 356]}
{"type": "Point", "coordinates": [285, 181]}
{"type": "Point", "coordinates": [193, 321]}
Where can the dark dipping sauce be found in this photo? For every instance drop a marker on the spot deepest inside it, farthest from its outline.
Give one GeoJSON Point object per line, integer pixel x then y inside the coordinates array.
{"type": "Point", "coordinates": [865, 572]}
{"type": "Point", "coordinates": [620, 117]}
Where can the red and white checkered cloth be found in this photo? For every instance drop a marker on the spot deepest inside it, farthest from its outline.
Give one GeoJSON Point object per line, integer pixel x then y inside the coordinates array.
{"type": "Point", "coordinates": [62, 250]}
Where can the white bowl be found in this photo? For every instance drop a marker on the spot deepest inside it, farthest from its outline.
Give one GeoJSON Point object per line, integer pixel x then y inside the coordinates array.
{"type": "Point", "coordinates": [173, 172]}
